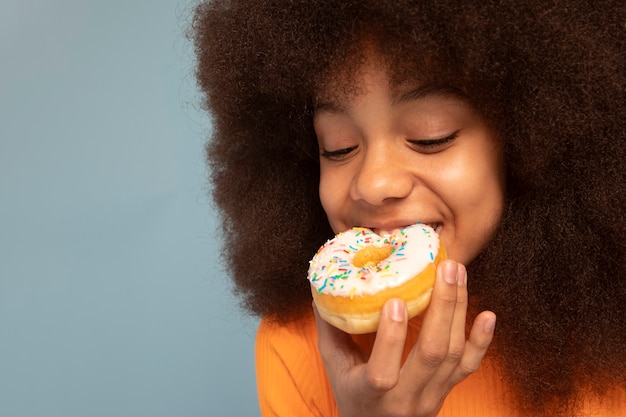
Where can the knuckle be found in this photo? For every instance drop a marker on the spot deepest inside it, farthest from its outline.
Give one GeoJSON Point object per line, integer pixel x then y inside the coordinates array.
{"type": "Point", "coordinates": [462, 299]}
{"type": "Point", "coordinates": [433, 354]}
{"type": "Point", "coordinates": [449, 300]}
{"type": "Point", "coordinates": [431, 404]}
{"type": "Point", "coordinates": [403, 408]}
{"type": "Point", "coordinates": [468, 369]}
{"type": "Point", "coordinates": [380, 383]}
{"type": "Point", "coordinates": [455, 353]}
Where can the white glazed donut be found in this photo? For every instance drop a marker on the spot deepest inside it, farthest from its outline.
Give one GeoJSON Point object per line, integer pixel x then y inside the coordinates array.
{"type": "Point", "coordinates": [354, 274]}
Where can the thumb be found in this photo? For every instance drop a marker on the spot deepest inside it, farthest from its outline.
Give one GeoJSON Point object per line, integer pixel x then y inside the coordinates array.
{"type": "Point", "coordinates": [338, 350]}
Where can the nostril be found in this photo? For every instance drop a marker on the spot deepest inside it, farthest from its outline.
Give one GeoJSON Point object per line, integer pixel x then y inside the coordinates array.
{"type": "Point", "coordinates": [382, 171]}
{"type": "Point", "coordinates": [381, 188]}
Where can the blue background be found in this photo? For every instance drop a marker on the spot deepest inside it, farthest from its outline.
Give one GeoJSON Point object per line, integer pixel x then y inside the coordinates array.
{"type": "Point", "coordinates": [113, 298]}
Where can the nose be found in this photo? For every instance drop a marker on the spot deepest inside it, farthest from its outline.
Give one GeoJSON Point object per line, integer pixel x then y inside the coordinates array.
{"type": "Point", "coordinates": [382, 176]}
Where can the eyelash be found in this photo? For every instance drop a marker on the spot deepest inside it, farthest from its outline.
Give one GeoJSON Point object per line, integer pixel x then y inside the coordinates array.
{"type": "Point", "coordinates": [432, 145]}
{"type": "Point", "coordinates": [338, 154]}
{"type": "Point", "coordinates": [429, 145]}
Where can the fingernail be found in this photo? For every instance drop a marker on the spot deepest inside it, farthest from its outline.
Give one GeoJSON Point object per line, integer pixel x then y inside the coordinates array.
{"type": "Point", "coordinates": [490, 325]}
{"type": "Point", "coordinates": [462, 275]}
{"type": "Point", "coordinates": [396, 311]}
{"type": "Point", "coordinates": [450, 273]}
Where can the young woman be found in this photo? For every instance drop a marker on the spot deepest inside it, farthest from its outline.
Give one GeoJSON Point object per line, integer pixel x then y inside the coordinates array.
{"type": "Point", "coordinates": [500, 123]}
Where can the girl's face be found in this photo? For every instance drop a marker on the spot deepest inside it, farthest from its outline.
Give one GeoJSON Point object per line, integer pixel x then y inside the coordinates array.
{"type": "Point", "coordinates": [391, 157]}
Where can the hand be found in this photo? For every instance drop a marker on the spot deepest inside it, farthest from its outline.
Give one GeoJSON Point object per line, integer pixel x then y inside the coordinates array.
{"type": "Point", "coordinates": [439, 360]}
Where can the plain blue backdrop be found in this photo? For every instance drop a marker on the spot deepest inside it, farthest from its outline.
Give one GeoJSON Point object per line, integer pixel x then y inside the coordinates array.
{"type": "Point", "coordinates": [113, 298]}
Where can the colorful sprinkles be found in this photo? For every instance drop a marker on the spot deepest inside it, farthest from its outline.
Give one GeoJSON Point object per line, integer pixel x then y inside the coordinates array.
{"type": "Point", "coordinates": [331, 268]}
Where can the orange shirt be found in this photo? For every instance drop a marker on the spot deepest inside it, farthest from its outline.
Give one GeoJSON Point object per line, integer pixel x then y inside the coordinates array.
{"type": "Point", "coordinates": [291, 379]}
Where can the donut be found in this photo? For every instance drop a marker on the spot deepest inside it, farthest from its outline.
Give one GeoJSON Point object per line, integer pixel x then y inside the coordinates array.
{"type": "Point", "coordinates": [353, 274]}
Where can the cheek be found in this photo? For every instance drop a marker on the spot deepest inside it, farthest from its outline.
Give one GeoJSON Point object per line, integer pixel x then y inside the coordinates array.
{"type": "Point", "coordinates": [325, 196]}
{"type": "Point", "coordinates": [325, 189]}
{"type": "Point", "coordinates": [329, 197]}
{"type": "Point", "coordinates": [478, 194]}
{"type": "Point", "coordinates": [475, 178]}
{"type": "Point", "coordinates": [474, 194]}
{"type": "Point", "coordinates": [488, 205]}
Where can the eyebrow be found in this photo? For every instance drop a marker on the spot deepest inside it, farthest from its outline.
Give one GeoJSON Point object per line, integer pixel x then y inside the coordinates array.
{"type": "Point", "coordinates": [413, 94]}
{"type": "Point", "coordinates": [328, 107]}
{"type": "Point", "coordinates": [426, 91]}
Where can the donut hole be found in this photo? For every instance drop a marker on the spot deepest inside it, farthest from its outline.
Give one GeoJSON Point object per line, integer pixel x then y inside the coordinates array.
{"type": "Point", "coordinates": [371, 256]}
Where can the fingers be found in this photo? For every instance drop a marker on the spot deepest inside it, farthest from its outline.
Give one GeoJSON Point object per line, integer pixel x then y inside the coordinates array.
{"type": "Point", "coordinates": [440, 359]}
{"type": "Point", "coordinates": [479, 340]}
{"type": "Point", "coordinates": [452, 275]}
{"type": "Point", "coordinates": [383, 368]}
{"type": "Point", "coordinates": [380, 374]}
{"type": "Point", "coordinates": [449, 299]}
{"type": "Point", "coordinates": [457, 329]}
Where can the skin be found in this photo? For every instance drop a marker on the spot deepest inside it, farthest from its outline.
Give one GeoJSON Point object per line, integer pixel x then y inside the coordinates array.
{"type": "Point", "coordinates": [548, 75]}
{"type": "Point", "coordinates": [391, 157]}
{"type": "Point", "coordinates": [447, 172]}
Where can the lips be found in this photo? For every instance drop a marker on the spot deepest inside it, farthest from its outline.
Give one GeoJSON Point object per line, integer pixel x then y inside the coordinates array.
{"type": "Point", "coordinates": [390, 230]}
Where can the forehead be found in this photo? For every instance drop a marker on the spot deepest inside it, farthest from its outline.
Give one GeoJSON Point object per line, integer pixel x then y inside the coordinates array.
{"type": "Point", "coordinates": [344, 85]}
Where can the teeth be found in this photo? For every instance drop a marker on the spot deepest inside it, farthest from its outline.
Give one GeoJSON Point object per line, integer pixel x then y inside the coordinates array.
{"type": "Point", "coordinates": [386, 232]}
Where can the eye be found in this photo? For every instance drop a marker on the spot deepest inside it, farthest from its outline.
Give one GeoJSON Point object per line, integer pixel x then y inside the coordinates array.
{"type": "Point", "coordinates": [433, 145]}
{"type": "Point", "coordinates": [337, 155]}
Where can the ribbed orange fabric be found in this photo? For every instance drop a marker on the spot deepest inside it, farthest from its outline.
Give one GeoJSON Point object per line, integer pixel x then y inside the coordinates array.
{"type": "Point", "coordinates": [291, 379]}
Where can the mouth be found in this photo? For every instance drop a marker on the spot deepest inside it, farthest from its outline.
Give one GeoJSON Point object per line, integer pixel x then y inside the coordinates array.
{"type": "Point", "coordinates": [436, 226]}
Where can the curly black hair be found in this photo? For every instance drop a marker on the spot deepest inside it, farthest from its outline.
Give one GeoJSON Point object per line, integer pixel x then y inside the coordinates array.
{"type": "Point", "coordinates": [550, 76]}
